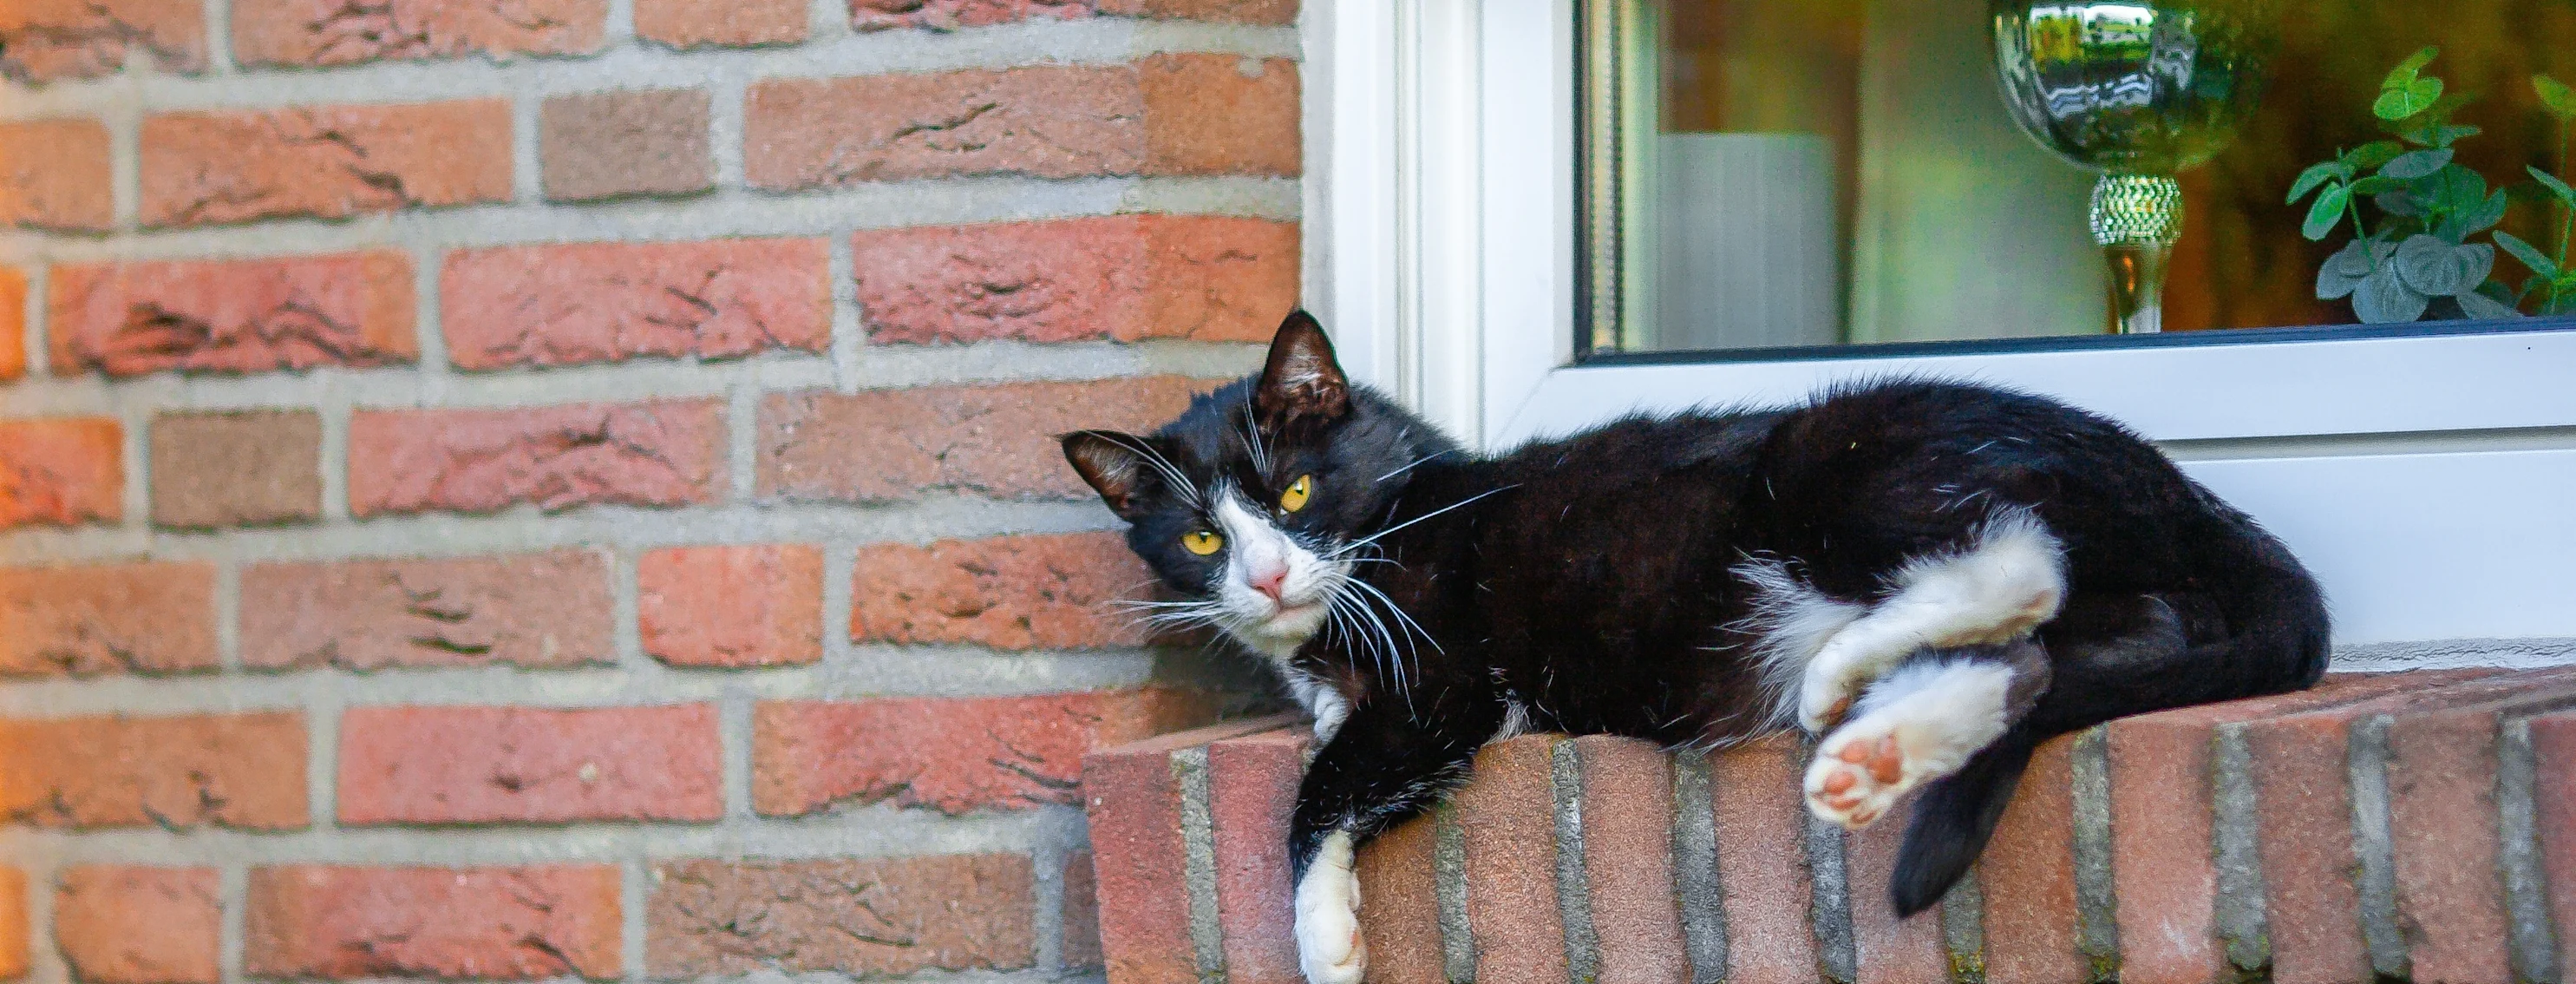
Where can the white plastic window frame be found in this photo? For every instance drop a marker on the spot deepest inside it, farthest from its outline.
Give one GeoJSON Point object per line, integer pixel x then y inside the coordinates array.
{"type": "Point", "coordinates": [2429, 478]}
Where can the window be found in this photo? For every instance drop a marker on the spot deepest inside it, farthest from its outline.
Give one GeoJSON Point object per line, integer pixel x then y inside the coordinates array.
{"type": "Point", "coordinates": [2427, 472]}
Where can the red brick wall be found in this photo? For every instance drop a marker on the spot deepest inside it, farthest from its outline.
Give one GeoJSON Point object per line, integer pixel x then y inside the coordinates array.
{"type": "Point", "coordinates": [551, 489]}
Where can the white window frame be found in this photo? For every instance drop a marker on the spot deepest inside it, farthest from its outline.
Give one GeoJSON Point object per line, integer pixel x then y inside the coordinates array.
{"type": "Point", "coordinates": [2429, 479]}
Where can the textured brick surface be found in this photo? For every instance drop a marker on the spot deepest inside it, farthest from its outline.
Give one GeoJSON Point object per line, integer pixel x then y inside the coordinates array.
{"type": "Point", "coordinates": [244, 771]}
{"type": "Point", "coordinates": [248, 468]}
{"type": "Point", "coordinates": [999, 441]}
{"type": "Point", "coordinates": [949, 15]}
{"type": "Point", "coordinates": [1889, 950]}
{"type": "Point", "coordinates": [1224, 11]}
{"type": "Point", "coordinates": [331, 32]}
{"type": "Point", "coordinates": [529, 765]}
{"type": "Point", "coordinates": [41, 40]}
{"type": "Point", "coordinates": [720, 23]}
{"type": "Point", "coordinates": [61, 472]}
{"type": "Point", "coordinates": [1126, 278]}
{"type": "Point", "coordinates": [638, 142]}
{"type": "Point", "coordinates": [323, 161]}
{"type": "Point", "coordinates": [55, 174]}
{"type": "Point", "coordinates": [878, 916]}
{"type": "Point", "coordinates": [127, 925]}
{"type": "Point", "coordinates": [662, 453]}
{"type": "Point", "coordinates": [1134, 809]}
{"type": "Point", "coordinates": [536, 610]}
{"type": "Point", "coordinates": [1627, 813]}
{"type": "Point", "coordinates": [13, 922]}
{"type": "Point", "coordinates": [1168, 114]}
{"type": "Point", "coordinates": [601, 302]}
{"type": "Point", "coordinates": [2027, 878]}
{"type": "Point", "coordinates": [238, 316]}
{"type": "Point", "coordinates": [1400, 904]}
{"type": "Point", "coordinates": [2442, 767]}
{"type": "Point", "coordinates": [1017, 592]}
{"type": "Point", "coordinates": [499, 923]}
{"type": "Point", "coordinates": [1080, 913]}
{"type": "Point", "coordinates": [731, 606]}
{"type": "Point", "coordinates": [1509, 815]}
{"type": "Point", "coordinates": [1252, 787]}
{"type": "Point", "coordinates": [13, 323]}
{"type": "Point", "coordinates": [2553, 742]}
{"type": "Point", "coordinates": [1762, 861]}
{"type": "Point", "coordinates": [950, 754]}
{"type": "Point", "coordinates": [108, 618]}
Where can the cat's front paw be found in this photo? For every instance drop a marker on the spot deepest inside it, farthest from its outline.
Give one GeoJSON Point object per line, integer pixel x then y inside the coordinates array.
{"type": "Point", "coordinates": [1329, 948]}
{"type": "Point", "coordinates": [1825, 694]}
{"type": "Point", "coordinates": [1854, 782]}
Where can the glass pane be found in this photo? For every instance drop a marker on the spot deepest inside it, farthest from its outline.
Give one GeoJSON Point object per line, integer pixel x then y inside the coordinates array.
{"type": "Point", "coordinates": [1768, 173]}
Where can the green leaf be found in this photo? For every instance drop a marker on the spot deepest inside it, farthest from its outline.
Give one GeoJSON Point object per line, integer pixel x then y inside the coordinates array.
{"type": "Point", "coordinates": [2375, 184]}
{"type": "Point", "coordinates": [2409, 166]}
{"type": "Point", "coordinates": [2486, 215]}
{"type": "Point", "coordinates": [2327, 211]}
{"type": "Point", "coordinates": [2405, 71]}
{"type": "Point", "coordinates": [2529, 255]}
{"type": "Point", "coordinates": [2372, 154]}
{"type": "Point", "coordinates": [2433, 267]}
{"type": "Point", "coordinates": [2314, 176]}
{"type": "Point", "coordinates": [2555, 95]}
{"type": "Point", "coordinates": [2483, 308]}
{"type": "Point", "coordinates": [2452, 189]}
{"type": "Point", "coordinates": [2343, 271]}
{"type": "Point", "coordinates": [2381, 299]}
{"type": "Point", "coordinates": [2555, 186]}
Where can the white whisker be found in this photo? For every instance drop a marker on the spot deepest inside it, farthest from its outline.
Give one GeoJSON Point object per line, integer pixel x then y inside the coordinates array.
{"type": "Point", "coordinates": [1373, 537]}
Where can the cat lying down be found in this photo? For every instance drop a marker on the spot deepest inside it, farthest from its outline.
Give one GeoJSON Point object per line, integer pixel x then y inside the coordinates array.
{"type": "Point", "coordinates": [1934, 577]}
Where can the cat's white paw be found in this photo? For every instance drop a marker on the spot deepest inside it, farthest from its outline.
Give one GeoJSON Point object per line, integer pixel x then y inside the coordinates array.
{"type": "Point", "coordinates": [1833, 679]}
{"type": "Point", "coordinates": [1916, 725]}
{"type": "Point", "coordinates": [1329, 949]}
{"type": "Point", "coordinates": [1856, 778]}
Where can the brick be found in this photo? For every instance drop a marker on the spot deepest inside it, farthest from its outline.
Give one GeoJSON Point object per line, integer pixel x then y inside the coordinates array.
{"type": "Point", "coordinates": [13, 323]}
{"type": "Point", "coordinates": [720, 23]}
{"type": "Point", "coordinates": [615, 144]}
{"type": "Point", "coordinates": [517, 923]}
{"type": "Point", "coordinates": [56, 175]}
{"type": "Point", "coordinates": [2442, 789]}
{"type": "Point", "coordinates": [1276, 12]}
{"type": "Point", "coordinates": [13, 923]}
{"type": "Point", "coordinates": [232, 316]}
{"type": "Point", "coordinates": [731, 606]}
{"type": "Point", "coordinates": [2027, 878]}
{"type": "Point", "coordinates": [325, 32]}
{"type": "Point", "coordinates": [329, 162]}
{"type": "Point", "coordinates": [1018, 592]}
{"type": "Point", "coordinates": [1762, 864]}
{"type": "Point", "coordinates": [1165, 115]}
{"type": "Point", "coordinates": [950, 754]}
{"type": "Point", "coordinates": [2553, 747]}
{"type": "Point", "coordinates": [1133, 802]}
{"type": "Point", "coordinates": [61, 472]}
{"type": "Point", "coordinates": [1252, 788]}
{"type": "Point", "coordinates": [45, 40]}
{"type": "Point", "coordinates": [1508, 812]}
{"type": "Point", "coordinates": [441, 765]}
{"type": "Point", "coordinates": [604, 302]}
{"type": "Point", "coordinates": [875, 916]}
{"type": "Point", "coordinates": [1889, 950]}
{"type": "Point", "coordinates": [242, 771]}
{"type": "Point", "coordinates": [530, 610]}
{"type": "Point", "coordinates": [949, 15]}
{"type": "Point", "coordinates": [244, 468]}
{"type": "Point", "coordinates": [2303, 815]}
{"type": "Point", "coordinates": [1125, 278]}
{"type": "Point", "coordinates": [655, 453]}
{"type": "Point", "coordinates": [153, 618]}
{"type": "Point", "coordinates": [131, 925]}
{"type": "Point", "coordinates": [997, 441]}
{"type": "Point", "coordinates": [1081, 914]}
{"type": "Point", "coordinates": [1627, 822]}
{"type": "Point", "coordinates": [1400, 904]}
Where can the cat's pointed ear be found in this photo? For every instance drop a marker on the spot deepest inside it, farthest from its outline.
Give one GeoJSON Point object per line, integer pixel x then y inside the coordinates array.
{"type": "Point", "coordinates": [1302, 380]}
{"type": "Point", "coordinates": [1110, 462]}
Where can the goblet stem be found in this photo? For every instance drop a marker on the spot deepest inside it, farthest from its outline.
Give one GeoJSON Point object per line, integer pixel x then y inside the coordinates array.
{"type": "Point", "coordinates": [2136, 218]}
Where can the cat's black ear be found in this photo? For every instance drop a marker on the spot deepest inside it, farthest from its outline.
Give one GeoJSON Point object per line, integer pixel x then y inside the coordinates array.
{"type": "Point", "coordinates": [1302, 380]}
{"type": "Point", "coordinates": [1109, 461]}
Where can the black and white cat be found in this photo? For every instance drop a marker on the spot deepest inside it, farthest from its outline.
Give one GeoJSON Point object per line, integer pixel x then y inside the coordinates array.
{"type": "Point", "coordinates": [1933, 576]}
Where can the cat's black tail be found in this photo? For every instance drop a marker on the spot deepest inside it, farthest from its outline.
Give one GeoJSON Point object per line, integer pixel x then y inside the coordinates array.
{"type": "Point", "coordinates": [1953, 817]}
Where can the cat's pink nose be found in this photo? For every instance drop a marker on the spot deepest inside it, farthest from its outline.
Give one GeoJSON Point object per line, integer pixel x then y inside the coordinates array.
{"type": "Point", "coordinates": [1270, 582]}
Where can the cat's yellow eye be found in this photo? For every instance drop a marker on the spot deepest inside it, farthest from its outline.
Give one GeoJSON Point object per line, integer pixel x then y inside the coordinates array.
{"type": "Point", "coordinates": [1298, 492]}
{"type": "Point", "coordinates": [1202, 542]}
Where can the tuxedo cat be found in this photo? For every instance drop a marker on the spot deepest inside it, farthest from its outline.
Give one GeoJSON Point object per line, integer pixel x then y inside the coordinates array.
{"type": "Point", "coordinates": [1934, 577]}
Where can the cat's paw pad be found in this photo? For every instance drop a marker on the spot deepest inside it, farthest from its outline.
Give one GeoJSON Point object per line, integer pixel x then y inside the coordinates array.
{"type": "Point", "coordinates": [1329, 948]}
{"type": "Point", "coordinates": [1824, 698]}
{"type": "Point", "coordinates": [1855, 779]}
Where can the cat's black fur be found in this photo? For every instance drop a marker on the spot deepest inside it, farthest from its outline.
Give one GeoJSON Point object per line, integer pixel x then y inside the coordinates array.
{"type": "Point", "coordinates": [1593, 579]}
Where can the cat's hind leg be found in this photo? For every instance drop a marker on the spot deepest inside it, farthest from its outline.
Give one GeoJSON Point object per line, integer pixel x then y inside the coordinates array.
{"type": "Point", "coordinates": [1922, 721]}
{"type": "Point", "coordinates": [2007, 578]}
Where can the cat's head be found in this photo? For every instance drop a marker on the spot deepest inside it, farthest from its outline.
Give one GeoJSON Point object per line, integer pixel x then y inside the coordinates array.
{"type": "Point", "coordinates": [1254, 506]}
